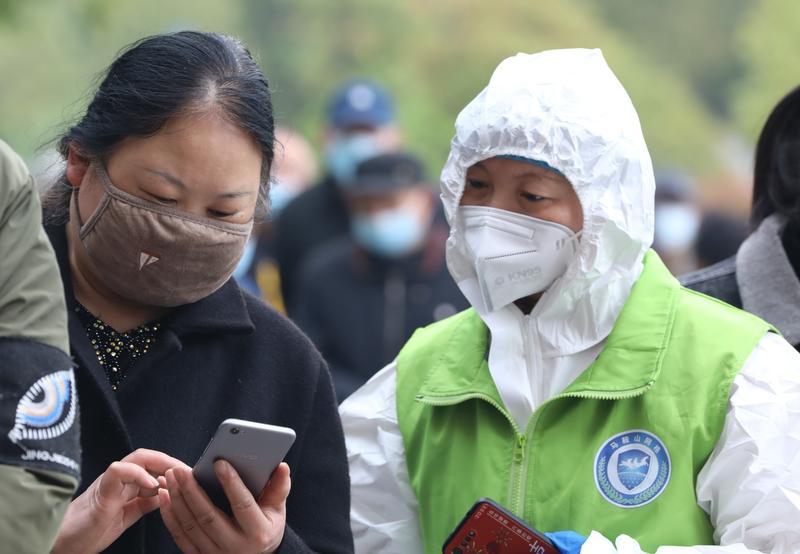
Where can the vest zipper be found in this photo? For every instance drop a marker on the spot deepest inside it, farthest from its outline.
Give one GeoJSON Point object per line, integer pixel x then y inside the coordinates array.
{"type": "Point", "coordinates": [530, 346]}
{"type": "Point", "coordinates": [519, 459]}
{"type": "Point", "coordinates": [519, 466]}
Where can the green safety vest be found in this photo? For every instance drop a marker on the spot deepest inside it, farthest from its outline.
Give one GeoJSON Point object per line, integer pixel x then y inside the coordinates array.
{"type": "Point", "coordinates": [617, 452]}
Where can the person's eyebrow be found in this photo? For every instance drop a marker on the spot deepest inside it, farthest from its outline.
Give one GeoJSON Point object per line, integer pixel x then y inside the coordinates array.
{"type": "Point", "coordinates": [169, 178]}
{"type": "Point", "coordinates": [544, 173]}
{"type": "Point", "coordinates": [235, 194]}
{"type": "Point", "coordinates": [528, 174]}
{"type": "Point", "coordinates": [178, 183]}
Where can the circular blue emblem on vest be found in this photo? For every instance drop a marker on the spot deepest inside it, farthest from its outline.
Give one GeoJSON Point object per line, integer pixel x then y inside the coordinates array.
{"type": "Point", "coordinates": [631, 469]}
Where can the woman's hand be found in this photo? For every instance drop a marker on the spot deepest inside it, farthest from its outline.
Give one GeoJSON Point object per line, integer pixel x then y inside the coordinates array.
{"type": "Point", "coordinates": [125, 492]}
{"type": "Point", "coordinates": [199, 527]}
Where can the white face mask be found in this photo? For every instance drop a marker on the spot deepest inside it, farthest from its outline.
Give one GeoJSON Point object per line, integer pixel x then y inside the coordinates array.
{"type": "Point", "coordinates": [676, 226]}
{"type": "Point", "coordinates": [515, 255]}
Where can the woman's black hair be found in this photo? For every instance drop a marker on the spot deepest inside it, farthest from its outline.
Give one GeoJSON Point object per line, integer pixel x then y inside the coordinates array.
{"type": "Point", "coordinates": [776, 182]}
{"type": "Point", "coordinates": [158, 78]}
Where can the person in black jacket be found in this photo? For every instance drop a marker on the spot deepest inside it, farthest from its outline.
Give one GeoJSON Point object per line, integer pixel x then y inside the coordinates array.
{"type": "Point", "coordinates": [361, 124]}
{"type": "Point", "coordinates": [165, 173]}
{"type": "Point", "coordinates": [362, 296]}
{"type": "Point", "coordinates": [764, 276]}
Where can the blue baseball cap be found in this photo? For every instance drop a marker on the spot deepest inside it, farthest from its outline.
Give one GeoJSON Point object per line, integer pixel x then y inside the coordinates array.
{"type": "Point", "coordinates": [360, 103]}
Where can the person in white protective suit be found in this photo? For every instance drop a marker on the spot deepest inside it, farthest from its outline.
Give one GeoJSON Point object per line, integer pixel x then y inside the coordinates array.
{"type": "Point", "coordinates": [585, 390]}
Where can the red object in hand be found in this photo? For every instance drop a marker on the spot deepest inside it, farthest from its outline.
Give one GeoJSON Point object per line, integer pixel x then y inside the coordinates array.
{"type": "Point", "coordinates": [488, 528]}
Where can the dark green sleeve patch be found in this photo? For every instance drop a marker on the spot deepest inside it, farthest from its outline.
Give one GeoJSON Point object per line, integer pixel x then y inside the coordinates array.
{"type": "Point", "coordinates": [39, 426]}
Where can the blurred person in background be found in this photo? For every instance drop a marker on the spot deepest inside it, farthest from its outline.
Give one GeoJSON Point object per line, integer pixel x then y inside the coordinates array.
{"type": "Point", "coordinates": [361, 297]}
{"type": "Point", "coordinates": [360, 124]}
{"type": "Point", "coordinates": [39, 433]}
{"type": "Point", "coordinates": [764, 275]}
{"type": "Point", "coordinates": [677, 221]}
{"type": "Point", "coordinates": [163, 180]}
{"type": "Point", "coordinates": [585, 390]}
{"type": "Point", "coordinates": [719, 237]}
{"type": "Point", "coordinates": [293, 171]}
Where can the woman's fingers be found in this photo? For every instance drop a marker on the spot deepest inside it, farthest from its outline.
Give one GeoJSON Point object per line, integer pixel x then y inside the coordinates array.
{"type": "Point", "coordinates": [111, 489]}
{"type": "Point", "coordinates": [148, 493]}
{"type": "Point", "coordinates": [138, 507]}
{"type": "Point", "coordinates": [131, 477]}
{"type": "Point", "coordinates": [277, 490]}
{"type": "Point", "coordinates": [131, 474]}
{"type": "Point", "coordinates": [153, 461]}
{"type": "Point", "coordinates": [186, 520]}
{"type": "Point", "coordinates": [244, 507]}
{"type": "Point", "coordinates": [172, 525]}
{"type": "Point", "coordinates": [211, 519]}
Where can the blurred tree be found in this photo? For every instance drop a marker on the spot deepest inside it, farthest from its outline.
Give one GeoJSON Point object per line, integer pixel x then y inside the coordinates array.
{"type": "Point", "coordinates": [769, 42]}
{"type": "Point", "coordinates": [6, 10]}
{"type": "Point", "coordinates": [435, 56]}
{"type": "Point", "coordinates": [696, 40]}
{"type": "Point", "coordinates": [51, 56]}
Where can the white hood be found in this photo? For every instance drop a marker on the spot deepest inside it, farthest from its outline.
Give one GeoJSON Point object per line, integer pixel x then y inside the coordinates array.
{"type": "Point", "coordinates": [565, 108]}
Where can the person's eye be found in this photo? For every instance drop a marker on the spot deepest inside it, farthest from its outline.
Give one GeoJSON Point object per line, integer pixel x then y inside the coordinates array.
{"type": "Point", "coordinates": [476, 184]}
{"type": "Point", "coordinates": [219, 214]}
{"type": "Point", "coordinates": [162, 199]}
{"type": "Point", "coordinates": [530, 197]}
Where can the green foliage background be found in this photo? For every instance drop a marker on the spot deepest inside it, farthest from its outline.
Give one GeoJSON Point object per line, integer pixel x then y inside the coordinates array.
{"type": "Point", "coordinates": [696, 71]}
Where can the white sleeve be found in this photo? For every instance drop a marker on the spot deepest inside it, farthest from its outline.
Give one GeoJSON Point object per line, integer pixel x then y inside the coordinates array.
{"type": "Point", "coordinates": [598, 544]}
{"type": "Point", "coordinates": [384, 509]}
{"type": "Point", "coordinates": [750, 485]}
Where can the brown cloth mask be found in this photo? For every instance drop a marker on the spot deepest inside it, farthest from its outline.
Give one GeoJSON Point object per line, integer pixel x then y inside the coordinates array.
{"type": "Point", "coordinates": [155, 255]}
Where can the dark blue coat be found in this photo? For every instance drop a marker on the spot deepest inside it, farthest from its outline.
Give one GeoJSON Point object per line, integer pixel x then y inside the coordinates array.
{"type": "Point", "coordinates": [227, 355]}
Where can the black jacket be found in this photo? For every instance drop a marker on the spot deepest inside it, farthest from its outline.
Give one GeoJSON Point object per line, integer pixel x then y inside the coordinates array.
{"type": "Point", "coordinates": [360, 310]}
{"type": "Point", "coordinates": [718, 280]}
{"type": "Point", "coordinates": [227, 355]}
{"type": "Point", "coordinates": [313, 218]}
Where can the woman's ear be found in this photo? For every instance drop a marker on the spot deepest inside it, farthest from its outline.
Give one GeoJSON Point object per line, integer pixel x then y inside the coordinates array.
{"type": "Point", "coordinates": [77, 166]}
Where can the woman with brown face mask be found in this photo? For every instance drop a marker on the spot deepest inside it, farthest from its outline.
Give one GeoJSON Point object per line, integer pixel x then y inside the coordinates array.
{"type": "Point", "coordinates": [165, 174]}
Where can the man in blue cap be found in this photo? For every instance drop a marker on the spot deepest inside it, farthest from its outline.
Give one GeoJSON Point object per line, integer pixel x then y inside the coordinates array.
{"type": "Point", "coordinates": [361, 124]}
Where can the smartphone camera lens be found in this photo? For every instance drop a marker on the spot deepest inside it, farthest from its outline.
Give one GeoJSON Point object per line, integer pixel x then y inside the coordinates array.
{"type": "Point", "coordinates": [234, 430]}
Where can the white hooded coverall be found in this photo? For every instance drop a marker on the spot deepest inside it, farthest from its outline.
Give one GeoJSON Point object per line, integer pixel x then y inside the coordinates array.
{"type": "Point", "coordinates": [566, 108]}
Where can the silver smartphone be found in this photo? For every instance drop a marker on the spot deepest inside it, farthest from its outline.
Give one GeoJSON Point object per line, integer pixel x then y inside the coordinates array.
{"type": "Point", "coordinates": [253, 449]}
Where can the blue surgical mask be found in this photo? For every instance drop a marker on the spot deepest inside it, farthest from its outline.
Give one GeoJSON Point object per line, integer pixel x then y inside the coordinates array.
{"type": "Point", "coordinates": [280, 194]}
{"type": "Point", "coordinates": [346, 152]}
{"type": "Point", "coordinates": [676, 226]}
{"type": "Point", "coordinates": [389, 233]}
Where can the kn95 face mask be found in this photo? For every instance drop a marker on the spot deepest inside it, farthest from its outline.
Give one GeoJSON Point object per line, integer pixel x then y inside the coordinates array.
{"type": "Point", "coordinates": [514, 255]}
